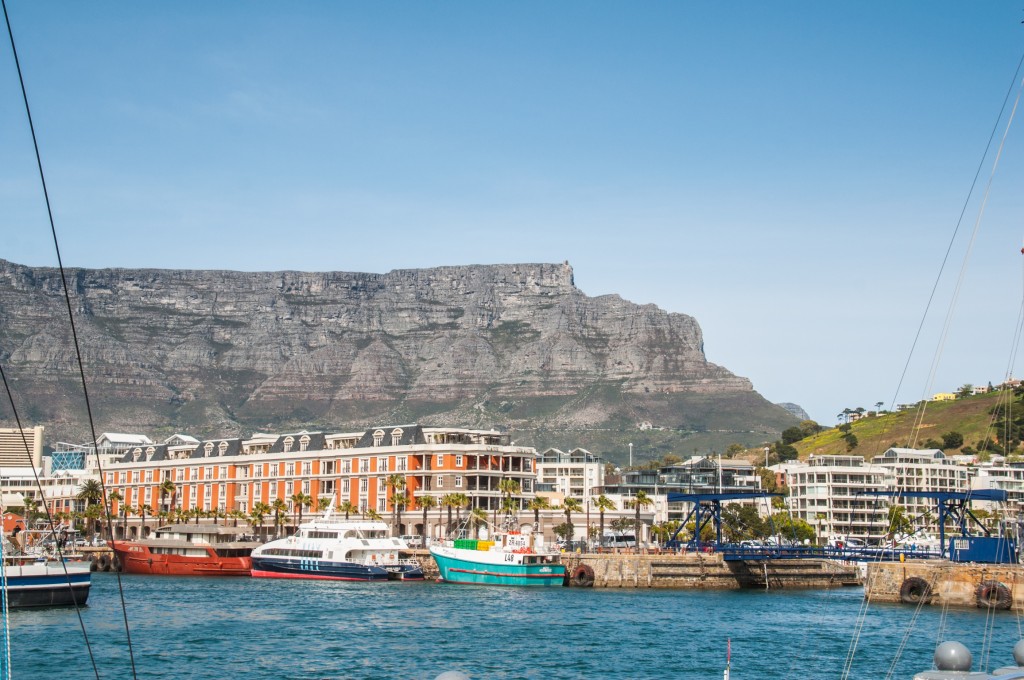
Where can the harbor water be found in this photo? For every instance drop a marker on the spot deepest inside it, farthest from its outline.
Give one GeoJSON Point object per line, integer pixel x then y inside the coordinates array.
{"type": "Point", "coordinates": [267, 628]}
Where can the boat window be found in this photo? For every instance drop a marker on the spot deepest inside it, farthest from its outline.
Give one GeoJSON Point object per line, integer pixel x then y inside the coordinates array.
{"type": "Point", "coordinates": [320, 534]}
{"type": "Point", "coordinates": [289, 552]}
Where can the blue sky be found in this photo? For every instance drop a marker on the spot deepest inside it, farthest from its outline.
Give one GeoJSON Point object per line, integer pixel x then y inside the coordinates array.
{"type": "Point", "coordinates": [790, 174]}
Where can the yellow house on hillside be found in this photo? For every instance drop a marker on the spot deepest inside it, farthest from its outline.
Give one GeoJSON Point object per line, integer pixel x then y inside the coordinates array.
{"type": "Point", "coordinates": [944, 396]}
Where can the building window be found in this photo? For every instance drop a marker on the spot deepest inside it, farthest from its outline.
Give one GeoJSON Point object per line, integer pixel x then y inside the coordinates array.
{"type": "Point", "coordinates": [396, 437]}
{"type": "Point", "coordinates": [208, 491]}
{"type": "Point", "coordinates": [401, 464]}
{"type": "Point", "coordinates": [382, 464]}
{"type": "Point", "coordinates": [288, 443]}
{"type": "Point", "coordinates": [440, 460]}
{"type": "Point", "coordinates": [346, 466]}
{"type": "Point", "coordinates": [149, 475]}
{"type": "Point", "coordinates": [257, 492]}
{"type": "Point", "coordinates": [208, 472]}
{"type": "Point", "coordinates": [223, 472]}
{"type": "Point", "coordinates": [378, 437]}
{"type": "Point", "coordinates": [364, 485]}
{"type": "Point", "coordinates": [289, 469]}
{"type": "Point", "coordinates": [382, 485]}
{"type": "Point", "coordinates": [307, 468]}
{"type": "Point", "coordinates": [527, 464]}
{"type": "Point", "coordinates": [327, 467]}
{"type": "Point", "coordinates": [221, 492]}
{"type": "Point", "coordinates": [257, 470]}
{"type": "Point", "coordinates": [181, 474]}
{"type": "Point", "coordinates": [305, 486]}
{"type": "Point", "coordinates": [458, 481]}
{"type": "Point", "coordinates": [382, 505]}
{"type": "Point", "coordinates": [440, 481]}
{"type": "Point", "coordinates": [364, 465]}
{"type": "Point", "coordinates": [146, 497]}
{"type": "Point", "coordinates": [124, 477]}
{"type": "Point", "coordinates": [458, 461]}
{"type": "Point", "coordinates": [303, 442]}
{"type": "Point", "coordinates": [344, 486]}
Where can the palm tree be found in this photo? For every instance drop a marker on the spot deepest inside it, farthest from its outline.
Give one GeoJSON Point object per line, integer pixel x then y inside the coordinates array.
{"type": "Point", "coordinates": [461, 501]}
{"type": "Point", "coordinates": [477, 519]}
{"type": "Point", "coordinates": [602, 503]}
{"type": "Point", "coordinates": [398, 501]}
{"type": "Point", "coordinates": [508, 488]}
{"type": "Point", "coordinates": [259, 511]}
{"type": "Point", "coordinates": [167, 488]}
{"type": "Point", "coordinates": [142, 510]}
{"type": "Point", "coordinates": [126, 511]}
{"type": "Point", "coordinates": [280, 508]}
{"type": "Point", "coordinates": [640, 500]}
{"type": "Point", "coordinates": [298, 501]}
{"type": "Point", "coordinates": [373, 514]}
{"type": "Point", "coordinates": [91, 492]}
{"type": "Point", "coordinates": [395, 482]}
{"type": "Point", "coordinates": [569, 506]}
{"type": "Point", "coordinates": [323, 503]}
{"type": "Point", "coordinates": [448, 501]}
{"type": "Point", "coordinates": [236, 515]}
{"type": "Point", "coordinates": [426, 503]}
{"type": "Point", "coordinates": [537, 504]}
{"type": "Point", "coordinates": [348, 508]}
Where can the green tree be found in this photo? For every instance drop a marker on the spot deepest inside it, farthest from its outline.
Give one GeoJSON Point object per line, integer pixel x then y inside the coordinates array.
{"type": "Point", "coordinates": [792, 434]}
{"type": "Point", "coordinates": [300, 501]}
{"type": "Point", "coordinates": [602, 503]}
{"type": "Point", "coordinates": [569, 506]}
{"type": "Point", "coordinates": [477, 519]}
{"type": "Point", "coordinates": [348, 507]}
{"type": "Point", "coordinates": [280, 508]}
{"type": "Point", "coordinates": [640, 500]}
{"type": "Point", "coordinates": [508, 488]}
{"type": "Point", "coordinates": [426, 503]}
{"type": "Point", "coordinates": [91, 492]}
{"type": "Point", "coordinates": [537, 504]}
{"type": "Point", "coordinates": [448, 501]}
{"type": "Point", "coordinates": [898, 521]}
{"type": "Point", "coordinates": [564, 531]}
{"type": "Point", "coordinates": [395, 483]}
{"type": "Point", "coordinates": [952, 440]}
{"type": "Point", "coordinates": [167, 488]}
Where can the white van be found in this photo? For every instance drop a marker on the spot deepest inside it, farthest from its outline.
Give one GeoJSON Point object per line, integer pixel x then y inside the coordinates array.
{"type": "Point", "coordinates": [413, 541]}
{"type": "Point", "coordinates": [619, 541]}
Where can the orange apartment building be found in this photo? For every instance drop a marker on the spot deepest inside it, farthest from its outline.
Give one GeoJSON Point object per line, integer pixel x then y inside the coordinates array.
{"type": "Point", "coordinates": [235, 474]}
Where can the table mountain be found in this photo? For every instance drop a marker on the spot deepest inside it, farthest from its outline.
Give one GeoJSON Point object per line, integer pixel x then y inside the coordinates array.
{"type": "Point", "coordinates": [513, 346]}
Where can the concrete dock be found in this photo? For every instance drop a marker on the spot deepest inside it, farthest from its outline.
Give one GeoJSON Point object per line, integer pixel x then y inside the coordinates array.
{"type": "Point", "coordinates": [690, 570]}
{"type": "Point", "coordinates": [941, 583]}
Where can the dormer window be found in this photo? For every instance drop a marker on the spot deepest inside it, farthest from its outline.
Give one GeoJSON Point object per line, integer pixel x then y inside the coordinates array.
{"type": "Point", "coordinates": [136, 454]}
{"type": "Point", "coordinates": [149, 453]}
{"type": "Point", "coordinates": [396, 436]}
{"type": "Point", "coordinates": [208, 449]}
{"type": "Point", "coordinates": [289, 442]}
{"type": "Point", "coordinates": [378, 438]}
{"type": "Point", "coordinates": [222, 448]}
{"type": "Point", "coordinates": [304, 442]}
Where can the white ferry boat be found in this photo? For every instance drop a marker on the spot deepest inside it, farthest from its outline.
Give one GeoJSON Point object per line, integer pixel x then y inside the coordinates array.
{"type": "Point", "coordinates": [334, 549]}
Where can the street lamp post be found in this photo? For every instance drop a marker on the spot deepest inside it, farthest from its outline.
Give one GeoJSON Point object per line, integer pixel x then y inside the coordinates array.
{"type": "Point", "coordinates": [631, 454]}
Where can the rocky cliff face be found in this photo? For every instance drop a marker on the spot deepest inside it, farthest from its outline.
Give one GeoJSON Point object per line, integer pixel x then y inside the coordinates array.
{"type": "Point", "coordinates": [221, 351]}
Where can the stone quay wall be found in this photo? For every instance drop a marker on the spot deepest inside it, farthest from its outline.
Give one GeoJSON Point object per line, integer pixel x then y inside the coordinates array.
{"type": "Point", "coordinates": [948, 583]}
{"type": "Point", "coordinates": [695, 570]}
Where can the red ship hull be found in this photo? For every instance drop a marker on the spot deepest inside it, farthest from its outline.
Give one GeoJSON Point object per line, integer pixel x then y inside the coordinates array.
{"type": "Point", "coordinates": [137, 559]}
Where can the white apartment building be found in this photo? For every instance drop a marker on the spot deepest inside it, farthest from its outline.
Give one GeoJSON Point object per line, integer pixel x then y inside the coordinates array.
{"type": "Point", "coordinates": [1009, 478]}
{"type": "Point", "coordinates": [570, 475]}
{"type": "Point", "coordinates": [827, 492]}
{"type": "Point", "coordinates": [923, 470]}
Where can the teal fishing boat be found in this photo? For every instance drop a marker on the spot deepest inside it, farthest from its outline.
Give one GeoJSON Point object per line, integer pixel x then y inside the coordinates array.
{"type": "Point", "coordinates": [511, 559]}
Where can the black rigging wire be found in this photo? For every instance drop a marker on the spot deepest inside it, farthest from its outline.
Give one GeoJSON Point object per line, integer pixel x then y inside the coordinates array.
{"type": "Point", "coordinates": [952, 240]}
{"type": "Point", "coordinates": [71, 320]}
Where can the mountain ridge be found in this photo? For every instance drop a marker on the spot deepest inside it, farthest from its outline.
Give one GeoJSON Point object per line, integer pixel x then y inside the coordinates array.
{"type": "Point", "coordinates": [512, 345]}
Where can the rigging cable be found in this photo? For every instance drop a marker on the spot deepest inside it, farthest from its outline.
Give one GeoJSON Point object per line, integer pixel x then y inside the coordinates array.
{"type": "Point", "coordinates": [956, 230]}
{"type": "Point", "coordinates": [71, 321]}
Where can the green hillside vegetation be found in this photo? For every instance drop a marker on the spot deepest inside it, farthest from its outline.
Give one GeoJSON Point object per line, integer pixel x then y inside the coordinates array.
{"type": "Point", "coordinates": [978, 420]}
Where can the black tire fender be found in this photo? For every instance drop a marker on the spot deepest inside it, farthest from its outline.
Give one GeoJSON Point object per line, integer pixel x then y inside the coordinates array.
{"type": "Point", "coordinates": [915, 590]}
{"type": "Point", "coordinates": [582, 576]}
{"type": "Point", "coordinates": [994, 594]}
